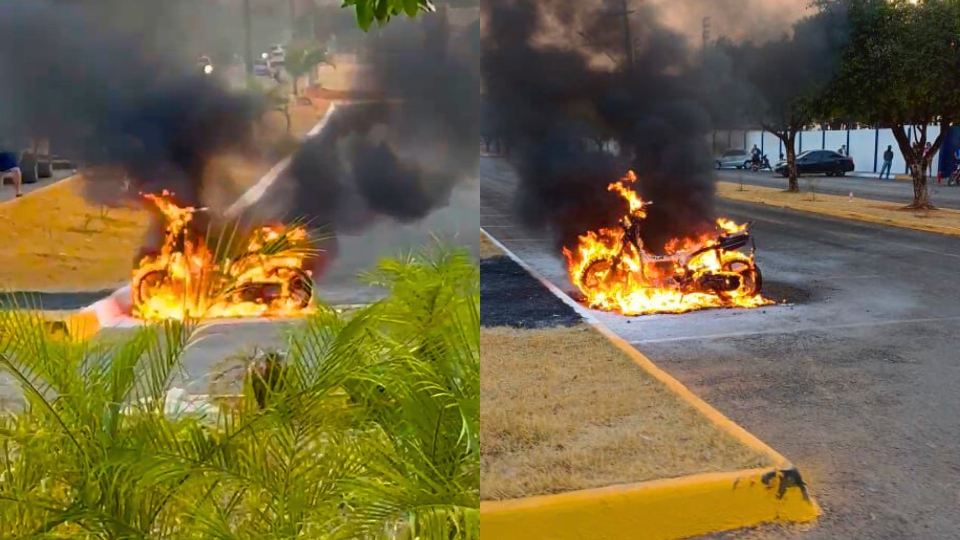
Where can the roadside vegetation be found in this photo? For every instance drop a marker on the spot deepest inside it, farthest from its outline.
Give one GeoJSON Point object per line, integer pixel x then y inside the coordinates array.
{"type": "Point", "coordinates": [364, 426]}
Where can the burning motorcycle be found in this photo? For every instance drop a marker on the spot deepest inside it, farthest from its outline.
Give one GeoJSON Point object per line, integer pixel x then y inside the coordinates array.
{"type": "Point", "coordinates": [716, 267]}
{"type": "Point", "coordinates": [265, 277]}
{"type": "Point", "coordinates": [615, 272]}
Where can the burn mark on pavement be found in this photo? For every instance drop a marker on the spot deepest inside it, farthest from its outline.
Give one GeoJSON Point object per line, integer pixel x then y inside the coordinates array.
{"type": "Point", "coordinates": [509, 296]}
{"type": "Point", "coordinates": [783, 292]}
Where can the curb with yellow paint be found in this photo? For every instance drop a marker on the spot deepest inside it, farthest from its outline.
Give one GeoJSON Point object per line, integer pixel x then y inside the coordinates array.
{"type": "Point", "coordinates": [72, 178]}
{"type": "Point", "coordinates": [661, 509]}
{"type": "Point", "coordinates": [845, 214]}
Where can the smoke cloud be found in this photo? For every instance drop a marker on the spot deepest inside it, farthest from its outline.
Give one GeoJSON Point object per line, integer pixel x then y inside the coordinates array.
{"type": "Point", "coordinates": [553, 79]}
{"type": "Point", "coordinates": [736, 20]}
{"type": "Point", "coordinates": [398, 160]}
{"type": "Point", "coordinates": [109, 94]}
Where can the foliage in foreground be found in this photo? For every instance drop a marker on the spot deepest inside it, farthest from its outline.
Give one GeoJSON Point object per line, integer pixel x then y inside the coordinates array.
{"type": "Point", "coordinates": [371, 432]}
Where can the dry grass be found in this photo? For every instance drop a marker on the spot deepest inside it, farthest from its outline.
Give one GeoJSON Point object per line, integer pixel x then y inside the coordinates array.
{"type": "Point", "coordinates": [488, 249]}
{"type": "Point", "coordinates": [56, 241]}
{"type": "Point", "coordinates": [564, 409]}
{"type": "Point", "coordinates": [942, 221]}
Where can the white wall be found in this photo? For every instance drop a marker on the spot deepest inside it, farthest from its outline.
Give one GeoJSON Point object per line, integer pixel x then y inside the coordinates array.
{"type": "Point", "coordinates": [865, 145]}
{"type": "Point", "coordinates": [862, 149]}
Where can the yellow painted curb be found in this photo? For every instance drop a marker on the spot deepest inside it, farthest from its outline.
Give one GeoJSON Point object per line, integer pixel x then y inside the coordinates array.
{"type": "Point", "coordinates": [893, 222]}
{"type": "Point", "coordinates": [661, 509]}
{"type": "Point", "coordinates": [657, 510]}
{"type": "Point", "coordinates": [79, 326]}
{"type": "Point", "coordinates": [71, 178]}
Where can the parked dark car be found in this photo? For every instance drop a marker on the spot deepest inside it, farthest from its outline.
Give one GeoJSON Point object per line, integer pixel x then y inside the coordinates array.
{"type": "Point", "coordinates": [825, 162]}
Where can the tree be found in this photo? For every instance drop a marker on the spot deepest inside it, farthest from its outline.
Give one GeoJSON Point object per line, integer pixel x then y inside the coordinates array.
{"type": "Point", "coordinates": [382, 11]}
{"type": "Point", "coordinates": [303, 57]}
{"type": "Point", "coordinates": [901, 71]}
{"type": "Point", "coordinates": [789, 77]}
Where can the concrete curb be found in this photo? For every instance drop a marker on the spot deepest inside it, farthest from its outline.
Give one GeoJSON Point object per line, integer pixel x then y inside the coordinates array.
{"type": "Point", "coordinates": [661, 509]}
{"type": "Point", "coordinates": [876, 176]}
{"type": "Point", "coordinates": [850, 215]}
{"type": "Point", "coordinates": [71, 178]}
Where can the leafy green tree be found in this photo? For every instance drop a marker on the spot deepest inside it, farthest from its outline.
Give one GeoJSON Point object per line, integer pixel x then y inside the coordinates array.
{"type": "Point", "coordinates": [789, 77]}
{"type": "Point", "coordinates": [382, 11]}
{"type": "Point", "coordinates": [902, 71]}
{"type": "Point", "coordinates": [302, 58]}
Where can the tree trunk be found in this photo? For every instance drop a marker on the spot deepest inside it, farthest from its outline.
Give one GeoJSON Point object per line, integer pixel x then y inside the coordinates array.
{"type": "Point", "coordinates": [788, 137]}
{"type": "Point", "coordinates": [790, 143]}
{"type": "Point", "coordinates": [793, 184]}
{"type": "Point", "coordinates": [918, 161]}
{"type": "Point", "coordinates": [296, 86]}
{"type": "Point", "coordinates": [921, 195]}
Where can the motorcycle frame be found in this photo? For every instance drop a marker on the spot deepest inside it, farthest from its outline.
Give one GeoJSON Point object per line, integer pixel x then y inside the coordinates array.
{"type": "Point", "coordinates": [679, 260]}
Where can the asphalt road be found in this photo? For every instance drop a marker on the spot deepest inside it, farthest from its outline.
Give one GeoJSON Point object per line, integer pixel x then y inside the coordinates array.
{"type": "Point", "coordinates": [865, 188]}
{"type": "Point", "coordinates": [855, 378]}
{"type": "Point", "coordinates": [7, 193]}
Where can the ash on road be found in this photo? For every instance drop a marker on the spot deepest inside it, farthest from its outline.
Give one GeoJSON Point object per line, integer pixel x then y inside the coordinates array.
{"type": "Point", "coordinates": [855, 379]}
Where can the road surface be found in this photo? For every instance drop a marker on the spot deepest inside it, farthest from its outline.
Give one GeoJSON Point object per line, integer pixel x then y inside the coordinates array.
{"type": "Point", "coordinates": [864, 188]}
{"type": "Point", "coordinates": [855, 379]}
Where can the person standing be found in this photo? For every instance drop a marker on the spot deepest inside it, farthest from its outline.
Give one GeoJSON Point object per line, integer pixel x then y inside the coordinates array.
{"type": "Point", "coordinates": [10, 168]}
{"type": "Point", "coordinates": [887, 162]}
{"type": "Point", "coordinates": [928, 158]}
{"type": "Point", "coordinates": [843, 151]}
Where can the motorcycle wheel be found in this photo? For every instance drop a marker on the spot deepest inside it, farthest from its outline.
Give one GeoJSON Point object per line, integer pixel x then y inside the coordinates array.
{"type": "Point", "coordinates": [145, 283]}
{"type": "Point", "coordinates": [299, 285]}
{"type": "Point", "coordinates": [751, 280]}
{"type": "Point", "coordinates": [597, 274]}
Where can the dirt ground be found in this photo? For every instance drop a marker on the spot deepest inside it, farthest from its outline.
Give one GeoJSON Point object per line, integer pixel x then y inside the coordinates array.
{"type": "Point", "coordinates": [563, 409]}
{"type": "Point", "coordinates": [55, 240]}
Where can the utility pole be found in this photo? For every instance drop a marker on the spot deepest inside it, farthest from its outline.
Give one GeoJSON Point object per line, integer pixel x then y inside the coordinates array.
{"type": "Point", "coordinates": [248, 37]}
{"type": "Point", "coordinates": [293, 20]}
{"type": "Point", "coordinates": [627, 34]}
{"type": "Point", "coordinates": [706, 34]}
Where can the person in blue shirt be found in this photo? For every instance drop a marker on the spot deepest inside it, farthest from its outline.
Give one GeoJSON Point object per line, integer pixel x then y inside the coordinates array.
{"type": "Point", "coordinates": [10, 168]}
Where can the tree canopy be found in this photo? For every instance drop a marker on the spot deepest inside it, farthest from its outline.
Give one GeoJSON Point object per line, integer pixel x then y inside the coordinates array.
{"type": "Point", "coordinates": [901, 71]}
{"type": "Point", "coordinates": [382, 11]}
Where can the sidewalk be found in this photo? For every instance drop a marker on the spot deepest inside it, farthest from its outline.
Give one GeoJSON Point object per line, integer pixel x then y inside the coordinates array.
{"type": "Point", "coordinates": [905, 177]}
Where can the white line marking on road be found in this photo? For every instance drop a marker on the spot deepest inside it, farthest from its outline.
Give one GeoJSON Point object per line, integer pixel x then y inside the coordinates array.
{"type": "Point", "coordinates": [821, 328]}
{"type": "Point", "coordinates": [258, 190]}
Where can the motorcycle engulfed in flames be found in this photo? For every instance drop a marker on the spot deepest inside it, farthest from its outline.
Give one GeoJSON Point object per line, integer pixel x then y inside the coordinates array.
{"type": "Point", "coordinates": [715, 267]}
{"type": "Point", "coordinates": [186, 270]}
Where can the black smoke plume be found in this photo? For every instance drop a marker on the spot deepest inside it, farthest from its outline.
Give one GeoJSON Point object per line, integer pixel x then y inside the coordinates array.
{"type": "Point", "coordinates": [398, 160]}
{"type": "Point", "coordinates": [114, 97]}
{"type": "Point", "coordinates": [104, 96]}
{"type": "Point", "coordinates": [556, 78]}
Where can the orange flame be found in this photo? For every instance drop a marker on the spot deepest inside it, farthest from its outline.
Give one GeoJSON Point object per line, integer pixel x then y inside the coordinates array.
{"type": "Point", "coordinates": [615, 273]}
{"type": "Point", "coordinates": [187, 279]}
